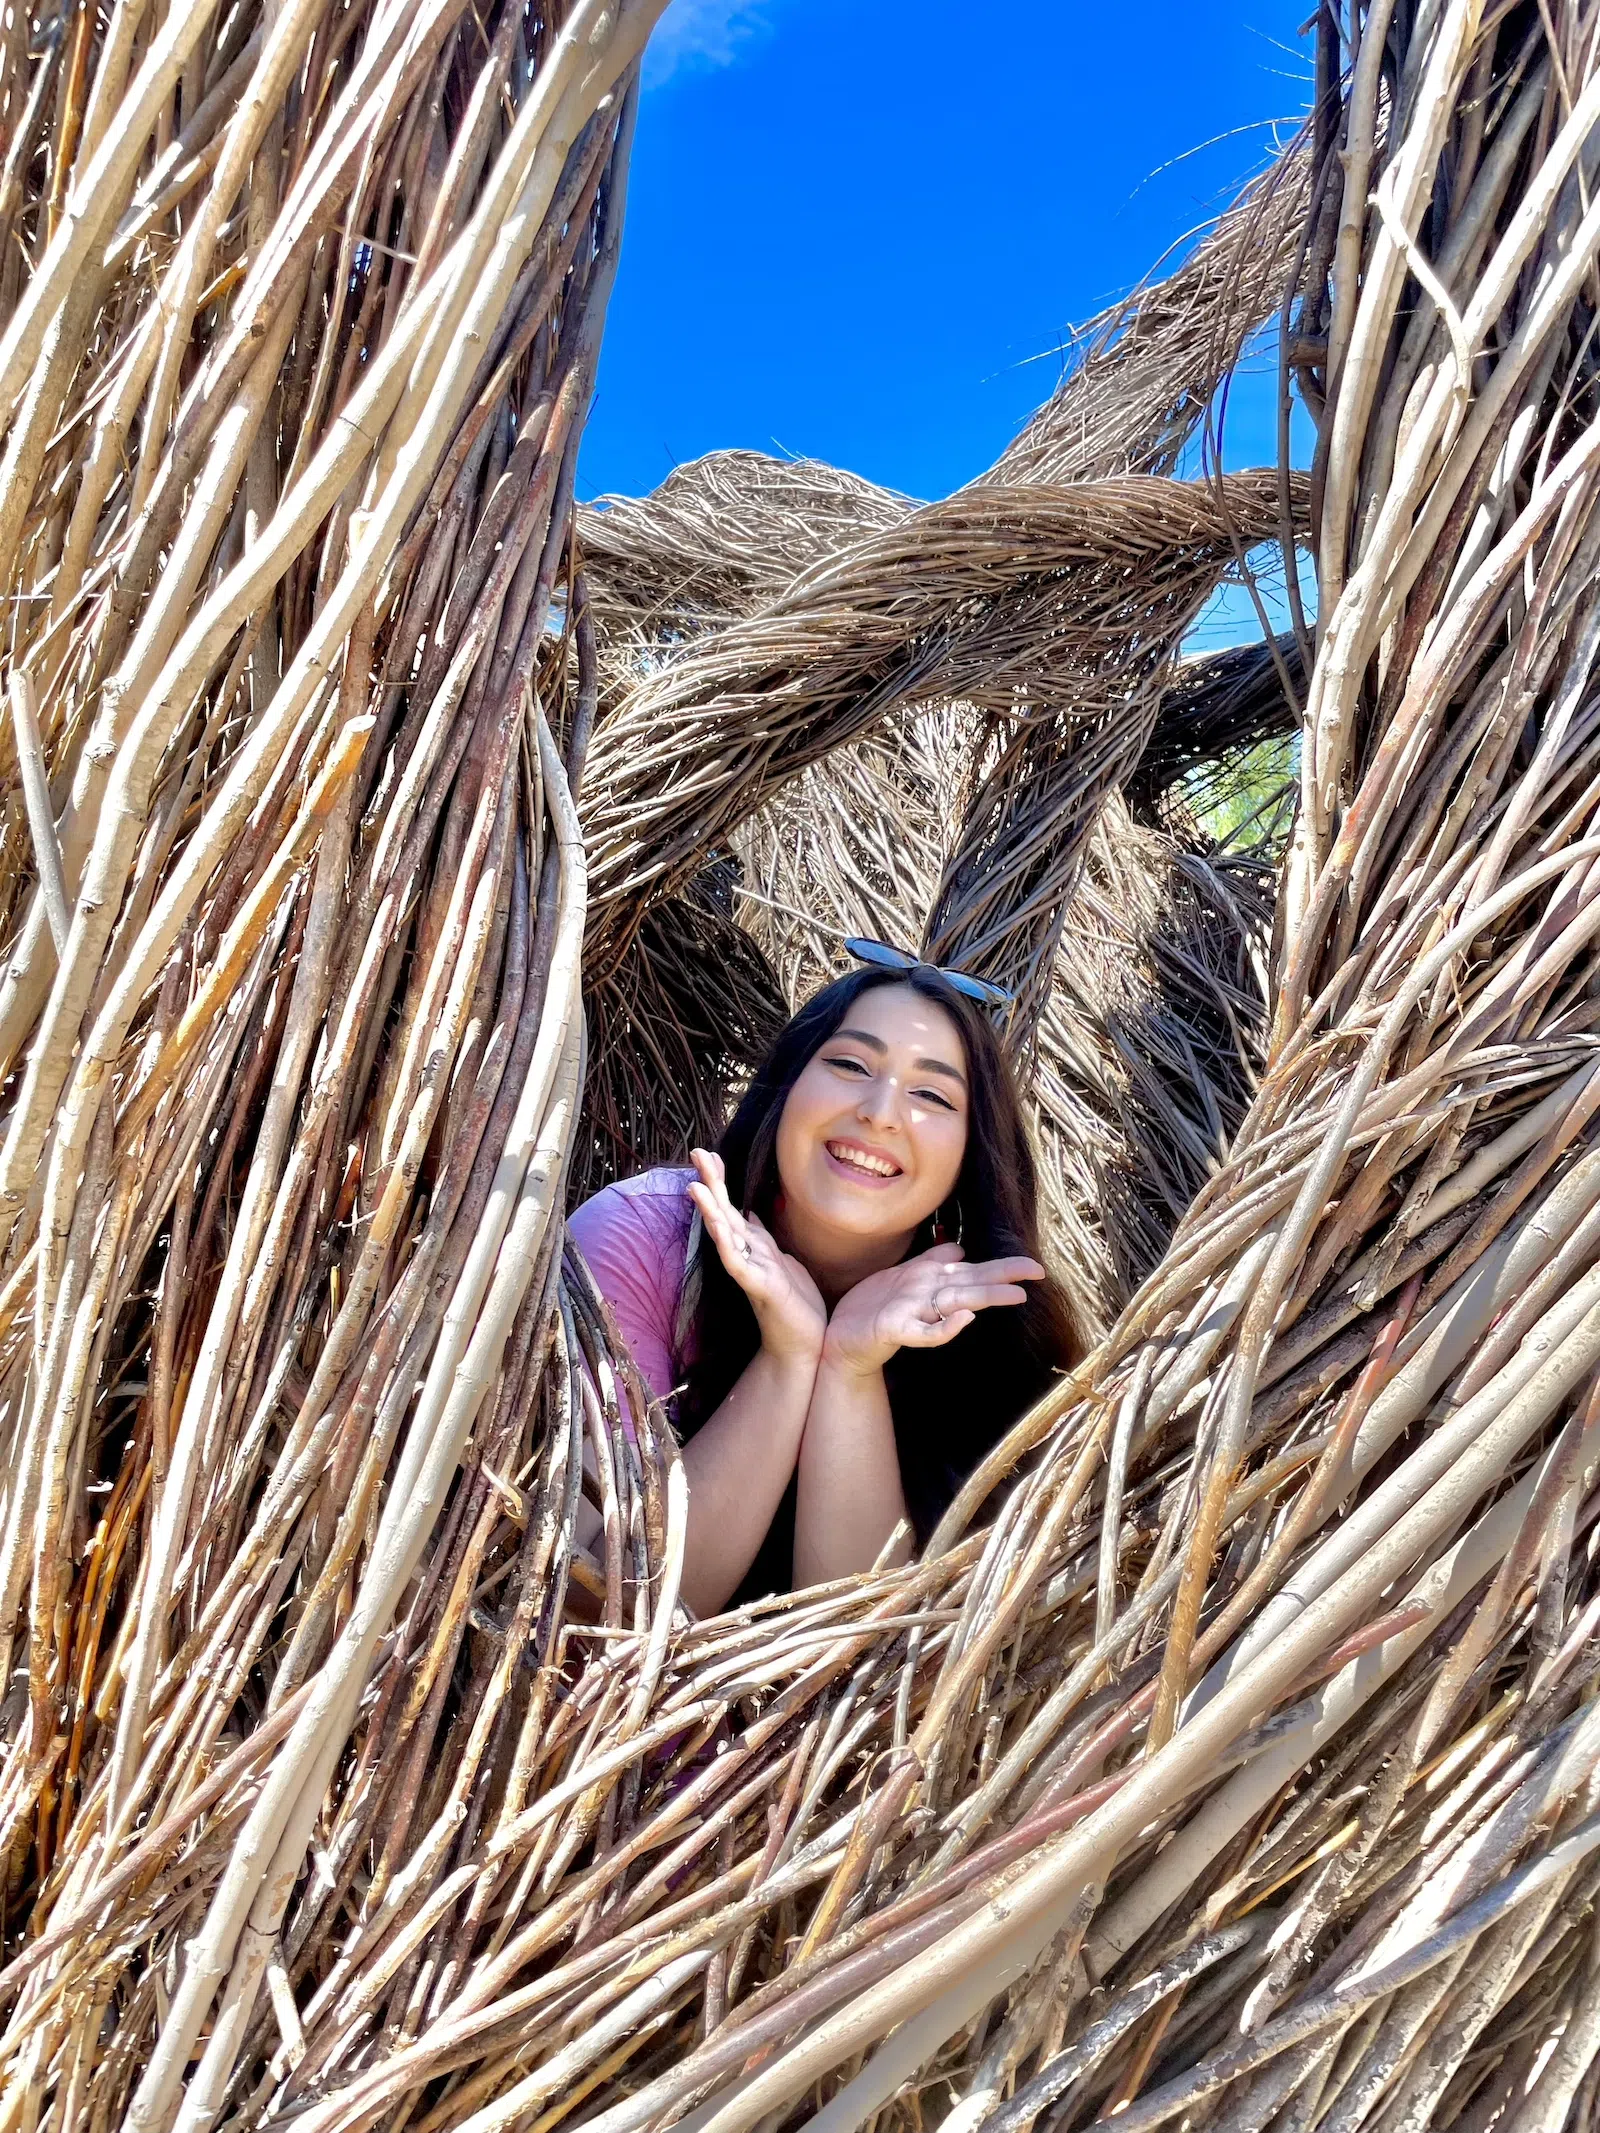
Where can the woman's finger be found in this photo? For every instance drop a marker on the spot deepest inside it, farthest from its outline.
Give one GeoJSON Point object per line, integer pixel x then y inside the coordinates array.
{"type": "Point", "coordinates": [706, 1198]}
{"type": "Point", "coordinates": [951, 1298]}
{"type": "Point", "coordinates": [714, 1175]}
{"type": "Point", "coordinates": [1005, 1270]}
{"type": "Point", "coordinates": [713, 1172]}
{"type": "Point", "coordinates": [704, 1171]}
{"type": "Point", "coordinates": [710, 1213]}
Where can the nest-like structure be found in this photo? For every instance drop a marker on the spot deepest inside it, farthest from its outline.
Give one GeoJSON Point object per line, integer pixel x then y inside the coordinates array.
{"type": "Point", "coordinates": [392, 848]}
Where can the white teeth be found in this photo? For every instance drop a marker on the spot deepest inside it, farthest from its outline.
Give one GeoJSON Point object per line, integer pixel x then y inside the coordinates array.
{"type": "Point", "coordinates": [873, 1165]}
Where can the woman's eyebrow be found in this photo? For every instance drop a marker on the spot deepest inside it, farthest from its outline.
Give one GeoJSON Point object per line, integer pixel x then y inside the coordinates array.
{"type": "Point", "coordinates": [926, 1066]}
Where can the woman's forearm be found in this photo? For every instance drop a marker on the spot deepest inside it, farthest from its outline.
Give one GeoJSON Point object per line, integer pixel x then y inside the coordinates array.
{"type": "Point", "coordinates": [849, 1499]}
{"type": "Point", "coordinates": [739, 1464]}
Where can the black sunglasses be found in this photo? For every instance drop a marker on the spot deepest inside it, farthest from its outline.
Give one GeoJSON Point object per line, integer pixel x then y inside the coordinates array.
{"type": "Point", "coordinates": [884, 957]}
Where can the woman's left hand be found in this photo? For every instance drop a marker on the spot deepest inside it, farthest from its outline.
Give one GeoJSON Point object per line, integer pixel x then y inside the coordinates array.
{"type": "Point", "coordinates": [921, 1303]}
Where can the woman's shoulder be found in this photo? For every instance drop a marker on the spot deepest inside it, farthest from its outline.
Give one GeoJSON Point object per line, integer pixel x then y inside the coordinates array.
{"type": "Point", "coordinates": [656, 1202]}
{"type": "Point", "coordinates": [668, 1182]}
{"type": "Point", "coordinates": [634, 1235]}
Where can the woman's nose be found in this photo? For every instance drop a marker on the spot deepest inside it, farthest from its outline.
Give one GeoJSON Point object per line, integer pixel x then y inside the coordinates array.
{"type": "Point", "coordinates": [880, 1103]}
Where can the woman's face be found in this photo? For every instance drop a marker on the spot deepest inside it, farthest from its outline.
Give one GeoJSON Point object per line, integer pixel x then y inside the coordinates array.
{"type": "Point", "coordinates": [873, 1133]}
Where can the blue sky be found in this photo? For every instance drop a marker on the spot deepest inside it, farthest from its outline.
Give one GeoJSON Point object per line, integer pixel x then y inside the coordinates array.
{"type": "Point", "coordinates": [858, 228]}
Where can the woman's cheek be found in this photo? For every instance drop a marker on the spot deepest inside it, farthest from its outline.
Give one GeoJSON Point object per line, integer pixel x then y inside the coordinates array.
{"type": "Point", "coordinates": [804, 1120]}
{"type": "Point", "coordinates": [946, 1148]}
{"type": "Point", "coordinates": [799, 1131]}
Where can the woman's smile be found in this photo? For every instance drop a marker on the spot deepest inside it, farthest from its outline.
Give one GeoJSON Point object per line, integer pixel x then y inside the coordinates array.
{"type": "Point", "coordinates": [861, 1164]}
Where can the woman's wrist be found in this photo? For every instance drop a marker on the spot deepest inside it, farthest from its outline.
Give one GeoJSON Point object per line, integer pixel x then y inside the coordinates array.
{"type": "Point", "coordinates": [844, 1361]}
{"type": "Point", "coordinates": [792, 1352]}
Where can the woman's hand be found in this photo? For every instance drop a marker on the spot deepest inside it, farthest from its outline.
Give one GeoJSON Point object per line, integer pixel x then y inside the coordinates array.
{"type": "Point", "coordinates": [787, 1302]}
{"type": "Point", "coordinates": [921, 1303]}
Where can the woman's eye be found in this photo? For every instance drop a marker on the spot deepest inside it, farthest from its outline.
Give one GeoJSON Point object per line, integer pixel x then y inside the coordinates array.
{"type": "Point", "coordinates": [934, 1096]}
{"type": "Point", "coordinates": [843, 1060]}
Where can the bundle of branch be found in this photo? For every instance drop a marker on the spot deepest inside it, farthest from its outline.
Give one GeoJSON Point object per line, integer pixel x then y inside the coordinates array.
{"type": "Point", "coordinates": [724, 533]}
{"type": "Point", "coordinates": [1055, 604]}
{"type": "Point", "coordinates": [300, 693]}
{"type": "Point", "coordinates": [1220, 711]}
{"type": "Point", "coordinates": [719, 535]}
{"type": "Point", "coordinates": [1143, 387]}
{"type": "Point", "coordinates": [1150, 1047]}
{"type": "Point", "coordinates": [980, 599]}
{"type": "Point", "coordinates": [1141, 378]}
{"type": "Point", "coordinates": [674, 1034]}
{"type": "Point", "coordinates": [733, 528]}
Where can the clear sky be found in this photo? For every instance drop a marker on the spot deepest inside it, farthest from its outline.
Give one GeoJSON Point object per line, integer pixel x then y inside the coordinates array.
{"type": "Point", "coordinates": [857, 228]}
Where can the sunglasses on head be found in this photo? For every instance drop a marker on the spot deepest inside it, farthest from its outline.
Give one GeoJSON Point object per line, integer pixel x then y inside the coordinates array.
{"type": "Point", "coordinates": [883, 957]}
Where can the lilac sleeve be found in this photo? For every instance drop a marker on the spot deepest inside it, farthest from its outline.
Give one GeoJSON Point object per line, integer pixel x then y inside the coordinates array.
{"type": "Point", "coordinates": [634, 1244]}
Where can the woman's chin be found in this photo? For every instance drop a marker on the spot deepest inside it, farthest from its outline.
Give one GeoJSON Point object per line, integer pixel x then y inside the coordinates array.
{"type": "Point", "coordinates": [863, 1211]}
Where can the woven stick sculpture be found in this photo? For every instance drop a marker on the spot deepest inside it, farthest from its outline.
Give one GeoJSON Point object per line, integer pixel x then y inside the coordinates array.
{"type": "Point", "coordinates": [1229, 1756]}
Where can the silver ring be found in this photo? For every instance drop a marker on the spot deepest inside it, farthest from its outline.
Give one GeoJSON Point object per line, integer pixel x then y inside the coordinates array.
{"type": "Point", "coordinates": [744, 1249]}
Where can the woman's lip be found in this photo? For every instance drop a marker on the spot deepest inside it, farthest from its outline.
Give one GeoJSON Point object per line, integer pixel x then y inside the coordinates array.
{"type": "Point", "coordinates": [854, 1172]}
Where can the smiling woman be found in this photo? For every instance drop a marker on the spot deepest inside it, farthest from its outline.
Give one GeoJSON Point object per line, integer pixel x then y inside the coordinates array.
{"type": "Point", "coordinates": [834, 1329]}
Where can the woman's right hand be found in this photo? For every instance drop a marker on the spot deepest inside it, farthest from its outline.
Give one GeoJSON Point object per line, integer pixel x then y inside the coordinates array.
{"type": "Point", "coordinates": [786, 1301]}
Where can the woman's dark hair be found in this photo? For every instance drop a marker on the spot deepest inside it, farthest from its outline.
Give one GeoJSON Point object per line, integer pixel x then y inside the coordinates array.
{"type": "Point", "coordinates": [950, 1404]}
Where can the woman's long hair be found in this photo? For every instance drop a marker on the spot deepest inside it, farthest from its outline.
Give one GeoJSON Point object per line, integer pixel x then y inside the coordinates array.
{"type": "Point", "coordinates": [953, 1403]}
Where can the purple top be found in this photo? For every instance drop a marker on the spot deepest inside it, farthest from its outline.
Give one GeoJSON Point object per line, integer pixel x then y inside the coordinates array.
{"type": "Point", "coordinates": [635, 1236]}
